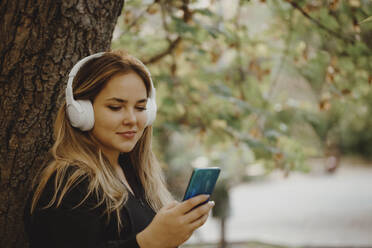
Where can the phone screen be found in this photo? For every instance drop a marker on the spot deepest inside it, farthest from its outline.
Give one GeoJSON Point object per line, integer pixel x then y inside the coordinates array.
{"type": "Point", "coordinates": [202, 181]}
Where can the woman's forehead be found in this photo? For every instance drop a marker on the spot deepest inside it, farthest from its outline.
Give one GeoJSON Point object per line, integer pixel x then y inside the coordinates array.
{"type": "Point", "coordinates": [126, 86]}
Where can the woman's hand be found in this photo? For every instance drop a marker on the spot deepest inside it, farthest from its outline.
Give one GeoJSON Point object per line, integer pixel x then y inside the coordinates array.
{"type": "Point", "coordinates": [175, 223]}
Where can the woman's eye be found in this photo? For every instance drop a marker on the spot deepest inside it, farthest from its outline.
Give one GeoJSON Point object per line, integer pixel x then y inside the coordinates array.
{"type": "Point", "coordinates": [141, 108]}
{"type": "Point", "coordinates": [114, 108]}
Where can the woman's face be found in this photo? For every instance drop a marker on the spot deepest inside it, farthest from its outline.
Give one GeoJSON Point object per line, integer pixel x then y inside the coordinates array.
{"type": "Point", "coordinates": [119, 114]}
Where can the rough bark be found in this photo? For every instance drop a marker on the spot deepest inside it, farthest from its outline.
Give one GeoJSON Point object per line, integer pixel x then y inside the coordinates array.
{"type": "Point", "coordinates": [40, 42]}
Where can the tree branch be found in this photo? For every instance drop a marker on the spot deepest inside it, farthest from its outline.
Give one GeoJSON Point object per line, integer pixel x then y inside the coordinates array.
{"type": "Point", "coordinates": [283, 58]}
{"type": "Point", "coordinates": [159, 56]}
{"type": "Point", "coordinates": [187, 15]}
{"type": "Point", "coordinates": [242, 74]}
{"type": "Point", "coordinates": [320, 25]}
{"type": "Point", "coordinates": [164, 21]}
{"type": "Point", "coordinates": [134, 22]}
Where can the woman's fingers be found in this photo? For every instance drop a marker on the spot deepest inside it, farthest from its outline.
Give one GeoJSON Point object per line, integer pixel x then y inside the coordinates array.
{"type": "Point", "coordinates": [188, 205]}
{"type": "Point", "coordinates": [199, 222]}
{"type": "Point", "coordinates": [171, 205]}
{"type": "Point", "coordinates": [198, 212]}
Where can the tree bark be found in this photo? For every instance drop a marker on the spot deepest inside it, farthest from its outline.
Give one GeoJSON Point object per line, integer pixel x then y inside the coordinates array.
{"type": "Point", "coordinates": [40, 42]}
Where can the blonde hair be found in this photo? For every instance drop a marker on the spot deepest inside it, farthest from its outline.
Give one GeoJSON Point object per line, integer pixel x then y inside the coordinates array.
{"type": "Point", "coordinates": [80, 150]}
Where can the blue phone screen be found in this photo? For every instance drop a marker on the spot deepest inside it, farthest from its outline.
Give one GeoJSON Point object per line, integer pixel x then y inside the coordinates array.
{"type": "Point", "coordinates": [202, 181]}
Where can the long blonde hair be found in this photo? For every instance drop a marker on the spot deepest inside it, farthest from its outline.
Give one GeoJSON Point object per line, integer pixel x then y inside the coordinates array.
{"type": "Point", "coordinates": [80, 150]}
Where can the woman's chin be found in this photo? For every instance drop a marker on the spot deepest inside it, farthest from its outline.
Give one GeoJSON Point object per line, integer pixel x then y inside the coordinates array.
{"type": "Point", "coordinates": [125, 149]}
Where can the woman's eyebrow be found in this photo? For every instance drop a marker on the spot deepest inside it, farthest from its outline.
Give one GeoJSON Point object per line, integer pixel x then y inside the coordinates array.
{"type": "Point", "coordinates": [124, 101]}
{"type": "Point", "coordinates": [116, 99]}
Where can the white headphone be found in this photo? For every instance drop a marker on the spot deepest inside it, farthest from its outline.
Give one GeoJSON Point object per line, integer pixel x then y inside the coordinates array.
{"type": "Point", "coordinates": [80, 112]}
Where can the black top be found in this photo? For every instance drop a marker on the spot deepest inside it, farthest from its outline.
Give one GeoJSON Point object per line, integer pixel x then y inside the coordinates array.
{"type": "Point", "coordinates": [69, 226]}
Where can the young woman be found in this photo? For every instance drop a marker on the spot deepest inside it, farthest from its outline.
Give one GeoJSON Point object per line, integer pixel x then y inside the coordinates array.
{"type": "Point", "coordinates": [103, 186]}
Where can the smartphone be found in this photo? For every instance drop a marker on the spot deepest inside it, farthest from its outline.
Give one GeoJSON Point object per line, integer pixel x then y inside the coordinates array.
{"type": "Point", "coordinates": [202, 181]}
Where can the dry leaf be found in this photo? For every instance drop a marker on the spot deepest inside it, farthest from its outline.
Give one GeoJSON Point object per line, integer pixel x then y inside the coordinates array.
{"type": "Point", "coordinates": [153, 9]}
{"type": "Point", "coordinates": [255, 133]}
{"type": "Point", "coordinates": [330, 78]}
{"type": "Point", "coordinates": [127, 17]}
{"type": "Point", "coordinates": [278, 156]}
{"type": "Point", "coordinates": [179, 49]}
{"type": "Point", "coordinates": [324, 105]}
{"type": "Point", "coordinates": [215, 56]}
{"type": "Point", "coordinates": [333, 5]}
{"type": "Point", "coordinates": [354, 3]}
{"type": "Point", "coordinates": [346, 92]}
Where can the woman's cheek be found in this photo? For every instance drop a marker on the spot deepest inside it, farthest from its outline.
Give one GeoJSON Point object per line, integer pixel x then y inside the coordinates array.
{"type": "Point", "coordinates": [143, 119]}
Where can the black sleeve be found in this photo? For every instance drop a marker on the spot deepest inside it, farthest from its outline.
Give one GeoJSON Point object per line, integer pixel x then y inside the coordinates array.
{"type": "Point", "coordinates": [68, 226]}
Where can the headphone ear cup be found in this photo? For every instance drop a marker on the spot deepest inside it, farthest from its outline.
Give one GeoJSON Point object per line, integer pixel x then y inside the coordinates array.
{"type": "Point", "coordinates": [151, 109]}
{"type": "Point", "coordinates": [88, 115]}
{"type": "Point", "coordinates": [81, 114]}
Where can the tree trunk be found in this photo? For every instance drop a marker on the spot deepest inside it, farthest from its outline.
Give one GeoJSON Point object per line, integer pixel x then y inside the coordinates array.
{"type": "Point", "coordinates": [40, 42]}
{"type": "Point", "coordinates": [223, 233]}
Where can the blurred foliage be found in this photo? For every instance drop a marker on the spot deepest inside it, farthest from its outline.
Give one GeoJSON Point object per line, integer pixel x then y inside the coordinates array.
{"type": "Point", "coordinates": [241, 82]}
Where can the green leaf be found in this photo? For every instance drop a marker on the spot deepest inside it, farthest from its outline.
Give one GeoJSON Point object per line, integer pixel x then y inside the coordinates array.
{"type": "Point", "coordinates": [205, 12]}
{"type": "Point", "coordinates": [369, 19]}
{"type": "Point", "coordinates": [182, 27]}
{"type": "Point", "coordinates": [169, 101]}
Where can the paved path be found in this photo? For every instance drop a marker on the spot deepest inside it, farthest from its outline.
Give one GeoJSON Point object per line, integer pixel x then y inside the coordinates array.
{"type": "Point", "coordinates": [313, 209]}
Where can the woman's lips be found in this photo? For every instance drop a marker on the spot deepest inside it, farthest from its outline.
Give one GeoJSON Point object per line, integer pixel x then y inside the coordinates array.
{"type": "Point", "coordinates": [128, 135]}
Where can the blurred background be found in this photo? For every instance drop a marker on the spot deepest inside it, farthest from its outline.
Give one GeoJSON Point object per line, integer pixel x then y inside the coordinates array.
{"type": "Point", "coordinates": [278, 94]}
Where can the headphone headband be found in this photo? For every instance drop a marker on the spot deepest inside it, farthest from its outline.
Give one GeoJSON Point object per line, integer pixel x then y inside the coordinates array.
{"type": "Point", "coordinates": [69, 93]}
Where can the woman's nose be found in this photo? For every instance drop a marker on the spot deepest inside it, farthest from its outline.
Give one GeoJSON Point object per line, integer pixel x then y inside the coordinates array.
{"type": "Point", "coordinates": [129, 117]}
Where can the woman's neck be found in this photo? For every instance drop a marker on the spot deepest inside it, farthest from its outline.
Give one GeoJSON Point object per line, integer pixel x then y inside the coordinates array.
{"type": "Point", "coordinates": [112, 156]}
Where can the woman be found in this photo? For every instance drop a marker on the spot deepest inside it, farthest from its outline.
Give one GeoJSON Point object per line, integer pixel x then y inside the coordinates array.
{"type": "Point", "coordinates": [103, 186]}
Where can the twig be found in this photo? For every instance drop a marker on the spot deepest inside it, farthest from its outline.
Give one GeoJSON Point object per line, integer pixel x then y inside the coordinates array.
{"type": "Point", "coordinates": [242, 76]}
{"type": "Point", "coordinates": [320, 25]}
{"type": "Point", "coordinates": [283, 59]}
{"type": "Point", "coordinates": [134, 22]}
{"type": "Point", "coordinates": [159, 56]}
{"type": "Point", "coordinates": [164, 21]}
{"type": "Point", "coordinates": [187, 15]}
